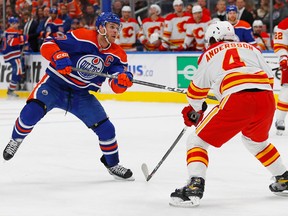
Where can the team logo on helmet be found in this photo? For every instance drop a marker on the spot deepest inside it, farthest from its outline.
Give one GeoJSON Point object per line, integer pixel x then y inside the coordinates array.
{"type": "Point", "coordinates": [90, 63]}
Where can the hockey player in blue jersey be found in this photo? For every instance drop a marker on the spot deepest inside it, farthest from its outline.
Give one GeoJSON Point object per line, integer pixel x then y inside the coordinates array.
{"type": "Point", "coordinates": [60, 87]}
{"type": "Point", "coordinates": [14, 40]}
{"type": "Point", "coordinates": [243, 29]}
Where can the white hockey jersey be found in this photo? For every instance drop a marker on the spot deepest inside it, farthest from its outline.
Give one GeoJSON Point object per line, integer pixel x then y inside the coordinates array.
{"type": "Point", "coordinates": [128, 34]}
{"type": "Point", "coordinates": [229, 67]}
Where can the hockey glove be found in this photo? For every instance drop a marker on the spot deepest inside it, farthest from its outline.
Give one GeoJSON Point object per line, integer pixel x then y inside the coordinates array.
{"type": "Point", "coordinates": [124, 79]}
{"type": "Point", "coordinates": [163, 47]}
{"type": "Point", "coordinates": [284, 63]}
{"type": "Point", "coordinates": [63, 62]}
{"type": "Point", "coordinates": [191, 117]}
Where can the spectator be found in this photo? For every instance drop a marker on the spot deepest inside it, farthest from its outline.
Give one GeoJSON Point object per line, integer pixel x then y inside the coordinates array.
{"type": "Point", "coordinates": [75, 25]}
{"type": "Point", "coordinates": [65, 17]}
{"type": "Point", "coordinates": [280, 12]}
{"type": "Point", "coordinates": [220, 13]}
{"type": "Point", "coordinates": [42, 25]}
{"type": "Point", "coordinates": [30, 29]}
{"type": "Point", "coordinates": [89, 17]}
{"type": "Point", "coordinates": [129, 31]}
{"type": "Point", "coordinates": [262, 38]}
{"type": "Point", "coordinates": [153, 25]}
{"type": "Point", "coordinates": [243, 13]}
{"type": "Point", "coordinates": [116, 7]}
{"type": "Point", "coordinates": [74, 9]}
{"type": "Point", "coordinates": [263, 10]}
{"type": "Point", "coordinates": [196, 28]}
{"type": "Point", "coordinates": [54, 25]}
{"type": "Point", "coordinates": [203, 5]}
{"type": "Point", "coordinates": [243, 30]}
{"type": "Point", "coordinates": [175, 27]}
{"type": "Point", "coordinates": [188, 8]}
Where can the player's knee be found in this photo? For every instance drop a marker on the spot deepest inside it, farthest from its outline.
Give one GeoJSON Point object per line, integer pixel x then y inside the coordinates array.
{"type": "Point", "coordinates": [104, 129]}
{"type": "Point", "coordinates": [32, 112]}
{"type": "Point", "coordinates": [252, 146]}
{"type": "Point", "coordinates": [195, 141]}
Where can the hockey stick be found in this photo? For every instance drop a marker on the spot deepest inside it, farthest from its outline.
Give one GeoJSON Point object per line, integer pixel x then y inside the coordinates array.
{"type": "Point", "coordinates": [144, 166]}
{"type": "Point", "coordinates": [168, 42]}
{"type": "Point", "coordinates": [154, 85]}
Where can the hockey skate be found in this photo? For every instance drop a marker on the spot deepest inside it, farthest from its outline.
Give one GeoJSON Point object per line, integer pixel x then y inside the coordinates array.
{"type": "Point", "coordinates": [280, 186]}
{"type": "Point", "coordinates": [189, 195]}
{"type": "Point", "coordinates": [280, 126]}
{"type": "Point", "coordinates": [12, 94]}
{"type": "Point", "coordinates": [11, 149]}
{"type": "Point", "coordinates": [118, 172]}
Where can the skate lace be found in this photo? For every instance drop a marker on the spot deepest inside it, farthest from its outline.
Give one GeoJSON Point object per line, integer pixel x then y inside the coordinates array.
{"type": "Point", "coordinates": [12, 147]}
{"type": "Point", "coordinates": [118, 169]}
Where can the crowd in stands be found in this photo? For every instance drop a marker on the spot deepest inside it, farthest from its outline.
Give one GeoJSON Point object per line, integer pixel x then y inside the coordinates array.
{"type": "Point", "coordinates": [170, 25]}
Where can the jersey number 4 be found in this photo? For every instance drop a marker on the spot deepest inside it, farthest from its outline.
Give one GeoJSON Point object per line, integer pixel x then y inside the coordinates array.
{"type": "Point", "coordinates": [232, 60]}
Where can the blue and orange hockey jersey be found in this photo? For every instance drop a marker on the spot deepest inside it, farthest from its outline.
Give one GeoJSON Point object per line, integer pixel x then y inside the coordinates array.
{"type": "Point", "coordinates": [85, 53]}
{"type": "Point", "coordinates": [244, 32]}
{"type": "Point", "coordinates": [13, 42]}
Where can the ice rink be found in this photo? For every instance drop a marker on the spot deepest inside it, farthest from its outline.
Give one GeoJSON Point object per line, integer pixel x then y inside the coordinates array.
{"type": "Point", "coordinates": [57, 172]}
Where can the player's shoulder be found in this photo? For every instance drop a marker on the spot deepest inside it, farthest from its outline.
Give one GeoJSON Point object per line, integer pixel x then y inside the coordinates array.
{"type": "Point", "coordinates": [242, 24]}
{"type": "Point", "coordinates": [206, 18]}
{"type": "Point", "coordinates": [170, 16]}
{"type": "Point", "coordinates": [283, 24]}
{"type": "Point", "coordinates": [85, 34]}
{"type": "Point", "coordinates": [117, 51]}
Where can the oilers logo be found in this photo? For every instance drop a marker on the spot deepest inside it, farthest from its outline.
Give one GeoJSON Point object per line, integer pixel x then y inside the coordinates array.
{"type": "Point", "coordinates": [90, 63]}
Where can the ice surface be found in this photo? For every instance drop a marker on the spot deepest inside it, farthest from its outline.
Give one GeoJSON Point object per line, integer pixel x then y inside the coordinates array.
{"type": "Point", "coordinates": [57, 172]}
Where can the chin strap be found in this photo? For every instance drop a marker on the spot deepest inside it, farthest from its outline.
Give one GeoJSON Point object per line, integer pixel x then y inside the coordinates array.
{"type": "Point", "coordinates": [105, 36]}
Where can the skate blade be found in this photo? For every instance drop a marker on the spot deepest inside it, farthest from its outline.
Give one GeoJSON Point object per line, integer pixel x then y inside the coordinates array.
{"type": "Point", "coordinates": [123, 179]}
{"type": "Point", "coordinates": [178, 202]}
{"type": "Point", "coordinates": [283, 194]}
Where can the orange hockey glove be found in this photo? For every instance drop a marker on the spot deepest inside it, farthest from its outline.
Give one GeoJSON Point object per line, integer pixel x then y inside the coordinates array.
{"type": "Point", "coordinates": [63, 62]}
{"type": "Point", "coordinates": [124, 79]}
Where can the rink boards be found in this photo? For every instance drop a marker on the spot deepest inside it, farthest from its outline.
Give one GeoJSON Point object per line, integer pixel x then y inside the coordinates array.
{"type": "Point", "coordinates": [173, 69]}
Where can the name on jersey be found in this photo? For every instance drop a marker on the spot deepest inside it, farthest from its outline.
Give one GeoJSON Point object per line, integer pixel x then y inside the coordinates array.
{"type": "Point", "coordinates": [224, 46]}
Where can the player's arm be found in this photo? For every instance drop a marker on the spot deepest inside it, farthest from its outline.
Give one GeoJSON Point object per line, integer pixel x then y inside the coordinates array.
{"type": "Point", "coordinates": [59, 58]}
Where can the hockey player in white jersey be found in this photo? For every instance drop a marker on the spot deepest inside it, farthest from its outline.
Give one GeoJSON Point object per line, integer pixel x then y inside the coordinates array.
{"type": "Point", "coordinates": [242, 82]}
{"type": "Point", "coordinates": [281, 50]}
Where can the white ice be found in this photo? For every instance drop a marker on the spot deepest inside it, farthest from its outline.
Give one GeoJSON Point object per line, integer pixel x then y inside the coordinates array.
{"type": "Point", "coordinates": [57, 172]}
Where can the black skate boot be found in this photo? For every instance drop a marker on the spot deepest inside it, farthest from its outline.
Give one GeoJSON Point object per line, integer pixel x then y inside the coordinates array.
{"type": "Point", "coordinates": [280, 126]}
{"type": "Point", "coordinates": [11, 149]}
{"type": "Point", "coordinates": [280, 186]}
{"type": "Point", "coordinates": [118, 172]}
{"type": "Point", "coordinates": [189, 195]}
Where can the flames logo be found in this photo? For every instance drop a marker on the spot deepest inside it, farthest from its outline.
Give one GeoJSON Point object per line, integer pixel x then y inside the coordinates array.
{"type": "Point", "coordinates": [181, 27]}
{"type": "Point", "coordinates": [91, 63]}
{"type": "Point", "coordinates": [153, 29]}
{"type": "Point", "coordinates": [127, 32]}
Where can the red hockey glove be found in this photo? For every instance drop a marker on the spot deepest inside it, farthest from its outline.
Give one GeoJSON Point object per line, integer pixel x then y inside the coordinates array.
{"type": "Point", "coordinates": [163, 47]}
{"type": "Point", "coordinates": [284, 63]}
{"type": "Point", "coordinates": [124, 79]}
{"type": "Point", "coordinates": [63, 62]}
{"type": "Point", "coordinates": [191, 117]}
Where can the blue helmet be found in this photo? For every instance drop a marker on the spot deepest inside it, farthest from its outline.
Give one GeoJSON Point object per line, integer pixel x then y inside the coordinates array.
{"type": "Point", "coordinates": [231, 8]}
{"type": "Point", "coordinates": [12, 20]}
{"type": "Point", "coordinates": [105, 17]}
{"type": "Point", "coordinates": [53, 10]}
